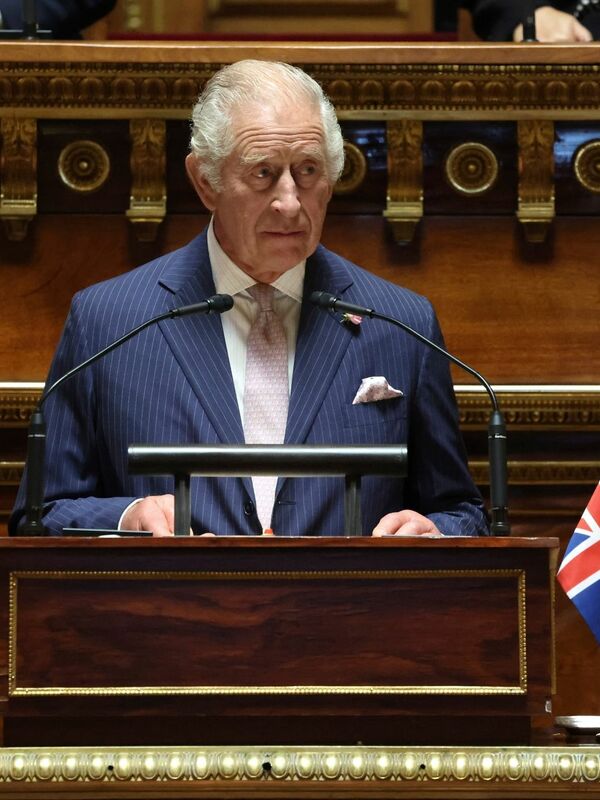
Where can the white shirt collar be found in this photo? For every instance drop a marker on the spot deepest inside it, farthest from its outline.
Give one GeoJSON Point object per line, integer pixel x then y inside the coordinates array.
{"type": "Point", "coordinates": [230, 279]}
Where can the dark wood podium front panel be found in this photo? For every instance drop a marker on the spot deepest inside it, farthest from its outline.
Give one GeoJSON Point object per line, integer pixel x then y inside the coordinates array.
{"type": "Point", "coordinates": [238, 638]}
{"type": "Point", "coordinates": [352, 631]}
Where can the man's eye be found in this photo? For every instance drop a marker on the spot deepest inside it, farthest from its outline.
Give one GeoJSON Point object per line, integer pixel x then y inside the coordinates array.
{"type": "Point", "coordinates": [307, 169]}
{"type": "Point", "coordinates": [262, 172]}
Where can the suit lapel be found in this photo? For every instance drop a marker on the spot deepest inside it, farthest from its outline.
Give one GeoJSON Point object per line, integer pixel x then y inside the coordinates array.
{"type": "Point", "coordinates": [197, 341]}
{"type": "Point", "coordinates": [320, 347]}
{"type": "Point", "coordinates": [198, 344]}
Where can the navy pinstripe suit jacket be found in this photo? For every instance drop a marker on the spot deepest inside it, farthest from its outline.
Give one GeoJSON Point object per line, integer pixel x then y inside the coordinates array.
{"type": "Point", "coordinates": [173, 384]}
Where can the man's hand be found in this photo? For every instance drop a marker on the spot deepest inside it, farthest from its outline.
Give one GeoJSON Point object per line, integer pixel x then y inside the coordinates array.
{"type": "Point", "coordinates": [155, 513]}
{"type": "Point", "coordinates": [552, 25]}
{"type": "Point", "coordinates": [405, 523]}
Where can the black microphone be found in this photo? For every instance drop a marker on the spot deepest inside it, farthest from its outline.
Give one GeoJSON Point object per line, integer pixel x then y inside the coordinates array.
{"type": "Point", "coordinates": [29, 18]}
{"type": "Point", "coordinates": [36, 437]}
{"type": "Point", "coordinates": [29, 29]}
{"type": "Point", "coordinates": [496, 429]}
{"type": "Point", "coordinates": [529, 32]}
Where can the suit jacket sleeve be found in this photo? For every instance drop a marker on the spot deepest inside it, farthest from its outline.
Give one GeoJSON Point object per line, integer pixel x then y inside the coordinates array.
{"type": "Point", "coordinates": [75, 478]}
{"type": "Point", "coordinates": [439, 483]}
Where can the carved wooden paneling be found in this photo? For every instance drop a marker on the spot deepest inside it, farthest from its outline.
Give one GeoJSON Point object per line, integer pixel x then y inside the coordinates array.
{"type": "Point", "coordinates": [404, 207]}
{"type": "Point", "coordinates": [18, 185]}
{"type": "Point", "coordinates": [148, 203]}
{"type": "Point", "coordinates": [536, 177]}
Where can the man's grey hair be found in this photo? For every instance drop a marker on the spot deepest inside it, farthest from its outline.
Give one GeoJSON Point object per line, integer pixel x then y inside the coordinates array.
{"type": "Point", "coordinates": [253, 81]}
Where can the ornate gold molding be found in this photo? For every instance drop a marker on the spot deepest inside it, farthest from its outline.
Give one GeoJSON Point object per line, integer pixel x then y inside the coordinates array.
{"type": "Point", "coordinates": [17, 405]}
{"type": "Point", "coordinates": [355, 170]}
{"type": "Point", "coordinates": [535, 410]}
{"type": "Point", "coordinates": [536, 177]}
{"type": "Point", "coordinates": [471, 168]}
{"type": "Point", "coordinates": [18, 178]}
{"type": "Point", "coordinates": [586, 166]}
{"type": "Point", "coordinates": [332, 772]}
{"type": "Point", "coordinates": [426, 91]}
{"type": "Point", "coordinates": [404, 207]}
{"type": "Point", "coordinates": [148, 202]}
{"type": "Point", "coordinates": [11, 472]}
{"type": "Point", "coordinates": [91, 88]}
{"type": "Point", "coordinates": [83, 166]}
{"type": "Point", "coordinates": [549, 473]}
{"type": "Point", "coordinates": [471, 91]}
{"type": "Point", "coordinates": [543, 473]}
{"type": "Point", "coordinates": [553, 410]}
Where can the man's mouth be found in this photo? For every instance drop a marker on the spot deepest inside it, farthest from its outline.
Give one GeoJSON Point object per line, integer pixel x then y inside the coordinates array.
{"type": "Point", "coordinates": [284, 233]}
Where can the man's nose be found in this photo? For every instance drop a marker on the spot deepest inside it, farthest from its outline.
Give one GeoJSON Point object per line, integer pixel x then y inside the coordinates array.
{"type": "Point", "coordinates": [286, 199]}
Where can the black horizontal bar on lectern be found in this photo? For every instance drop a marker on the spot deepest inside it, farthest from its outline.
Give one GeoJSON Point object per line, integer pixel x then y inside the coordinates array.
{"type": "Point", "coordinates": [267, 459]}
{"type": "Point", "coordinates": [232, 460]}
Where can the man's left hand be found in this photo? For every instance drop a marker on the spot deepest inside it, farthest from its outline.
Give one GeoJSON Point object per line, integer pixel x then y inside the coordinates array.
{"type": "Point", "coordinates": [405, 523]}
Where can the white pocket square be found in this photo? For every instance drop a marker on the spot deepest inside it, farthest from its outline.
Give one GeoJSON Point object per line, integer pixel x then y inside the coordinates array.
{"type": "Point", "coordinates": [373, 389]}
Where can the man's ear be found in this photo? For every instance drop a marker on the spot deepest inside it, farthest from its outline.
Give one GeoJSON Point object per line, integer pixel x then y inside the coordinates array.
{"type": "Point", "coordinates": [203, 188]}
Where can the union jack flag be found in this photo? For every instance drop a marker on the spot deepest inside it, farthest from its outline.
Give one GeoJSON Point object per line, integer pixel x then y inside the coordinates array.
{"type": "Point", "coordinates": [579, 573]}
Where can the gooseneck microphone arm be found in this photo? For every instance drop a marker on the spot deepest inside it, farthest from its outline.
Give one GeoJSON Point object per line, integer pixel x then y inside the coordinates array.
{"type": "Point", "coordinates": [216, 304]}
{"type": "Point", "coordinates": [500, 525]}
{"type": "Point", "coordinates": [36, 437]}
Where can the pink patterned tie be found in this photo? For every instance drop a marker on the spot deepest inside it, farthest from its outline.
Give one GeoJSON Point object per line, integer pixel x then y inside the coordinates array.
{"type": "Point", "coordinates": [266, 390]}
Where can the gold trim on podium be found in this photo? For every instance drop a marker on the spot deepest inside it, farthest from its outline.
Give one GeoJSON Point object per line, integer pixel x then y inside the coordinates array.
{"type": "Point", "coordinates": [278, 771]}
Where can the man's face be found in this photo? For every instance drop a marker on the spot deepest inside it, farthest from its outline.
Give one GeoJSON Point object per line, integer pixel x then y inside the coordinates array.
{"type": "Point", "coordinates": [269, 214]}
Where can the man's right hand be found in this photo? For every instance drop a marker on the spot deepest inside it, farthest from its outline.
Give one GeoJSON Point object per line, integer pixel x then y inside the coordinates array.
{"type": "Point", "coordinates": [154, 513]}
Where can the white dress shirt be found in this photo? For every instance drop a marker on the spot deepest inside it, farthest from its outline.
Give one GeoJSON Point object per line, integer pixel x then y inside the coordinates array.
{"type": "Point", "coordinates": [230, 279]}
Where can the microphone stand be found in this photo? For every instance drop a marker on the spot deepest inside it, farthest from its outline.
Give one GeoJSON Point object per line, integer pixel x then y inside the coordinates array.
{"type": "Point", "coordinates": [30, 31]}
{"type": "Point", "coordinates": [500, 525]}
{"type": "Point", "coordinates": [36, 437]}
{"type": "Point", "coordinates": [529, 33]}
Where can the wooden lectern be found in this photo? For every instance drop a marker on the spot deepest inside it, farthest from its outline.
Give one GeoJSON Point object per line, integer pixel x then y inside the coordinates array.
{"type": "Point", "coordinates": [275, 640]}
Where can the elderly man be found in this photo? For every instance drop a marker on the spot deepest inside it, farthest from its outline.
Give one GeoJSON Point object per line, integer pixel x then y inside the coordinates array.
{"type": "Point", "coordinates": [266, 151]}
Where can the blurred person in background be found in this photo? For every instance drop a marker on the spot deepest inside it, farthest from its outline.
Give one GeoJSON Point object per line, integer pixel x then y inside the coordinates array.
{"type": "Point", "coordinates": [501, 20]}
{"type": "Point", "coordinates": [65, 18]}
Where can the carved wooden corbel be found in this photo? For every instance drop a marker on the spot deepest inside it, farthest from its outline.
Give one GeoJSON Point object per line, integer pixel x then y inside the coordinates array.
{"type": "Point", "coordinates": [536, 178]}
{"type": "Point", "coordinates": [404, 206]}
{"type": "Point", "coordinates": [18, 178]}
{"type": "Point", "coordinates": [148, 199]}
